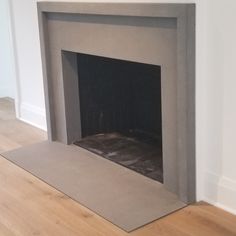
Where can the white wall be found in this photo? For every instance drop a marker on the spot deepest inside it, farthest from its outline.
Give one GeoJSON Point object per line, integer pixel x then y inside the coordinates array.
{"type": "Point", "coordinates": [27, 52]}
{"type": "Point", "coordinates": [220, 174]}
{"type": "Point", "coordinates": [7, 81]}
{"type": "Point", "coordinates": [215, 96]}
{"type": "Point", "coordinates": [228, 180]}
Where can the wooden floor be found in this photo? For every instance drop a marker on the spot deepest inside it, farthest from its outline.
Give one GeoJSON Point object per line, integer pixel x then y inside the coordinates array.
{"type": "Point", "coordinates": [30, 207]}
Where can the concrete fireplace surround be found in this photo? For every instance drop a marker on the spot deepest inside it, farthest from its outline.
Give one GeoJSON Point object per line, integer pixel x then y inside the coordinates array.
{"type": "Point", "coordinates": [159, 34]}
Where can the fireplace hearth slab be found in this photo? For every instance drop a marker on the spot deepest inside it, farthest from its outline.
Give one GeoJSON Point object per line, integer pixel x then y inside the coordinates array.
{"type": "Point", "coordinates": [122, 196]}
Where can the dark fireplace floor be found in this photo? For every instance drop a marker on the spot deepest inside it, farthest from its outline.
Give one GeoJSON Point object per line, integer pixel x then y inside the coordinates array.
{"type": "Point", "coordinates": [136, 152]}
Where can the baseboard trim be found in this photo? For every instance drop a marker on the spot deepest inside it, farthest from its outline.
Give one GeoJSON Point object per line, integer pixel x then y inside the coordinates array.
{"type": "Point", "coordinates": [33, 115]}
{"type": "Point", "coordinates": [221, 206]}
{"type": "Point", "coordinates": [220, 192]}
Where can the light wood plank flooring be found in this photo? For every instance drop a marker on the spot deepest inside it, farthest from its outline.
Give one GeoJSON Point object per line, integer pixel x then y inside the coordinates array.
{"type": "Point", "coordinates": [29, 206]}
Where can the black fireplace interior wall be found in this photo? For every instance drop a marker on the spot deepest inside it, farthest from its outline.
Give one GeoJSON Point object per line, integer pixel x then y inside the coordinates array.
{"type": "Point", "coordinates": [119, 96]}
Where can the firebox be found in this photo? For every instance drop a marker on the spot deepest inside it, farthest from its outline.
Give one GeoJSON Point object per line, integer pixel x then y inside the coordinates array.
{"type": "Point", "coordinates": [120, 110]}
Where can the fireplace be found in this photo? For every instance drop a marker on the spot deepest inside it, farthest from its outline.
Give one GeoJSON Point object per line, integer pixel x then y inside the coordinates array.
{"type": "Point", "coordinates": [119, 82]}
{"type": "Point", "coordinates": [124, 73]}
{"type": "Point", "coordinates": [120, 109]}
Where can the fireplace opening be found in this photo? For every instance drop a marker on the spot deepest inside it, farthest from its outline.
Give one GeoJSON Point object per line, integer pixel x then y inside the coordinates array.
{"type": "Point", "coordinates": [120, 108]}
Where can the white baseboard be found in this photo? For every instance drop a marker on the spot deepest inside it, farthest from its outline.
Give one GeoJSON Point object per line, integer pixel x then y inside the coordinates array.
{"type": "Point", "coordinates": [33, 115]}
{"type": "Point", "coordinates": [220, 191]}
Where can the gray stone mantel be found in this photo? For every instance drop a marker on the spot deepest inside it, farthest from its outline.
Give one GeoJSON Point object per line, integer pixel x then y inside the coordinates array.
{"type": "Point", "coordinates": [154, 33]}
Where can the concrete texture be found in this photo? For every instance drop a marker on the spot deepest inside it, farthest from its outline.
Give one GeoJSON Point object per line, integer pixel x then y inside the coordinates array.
{"type": "Point", "coordinates": [123, 197]}
{"type": "Point", "coordinates": [160, 34]}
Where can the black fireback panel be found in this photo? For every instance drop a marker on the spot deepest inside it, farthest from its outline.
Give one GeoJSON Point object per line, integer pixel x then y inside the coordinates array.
{"type": "Point", "coordinates": [119, 96]}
